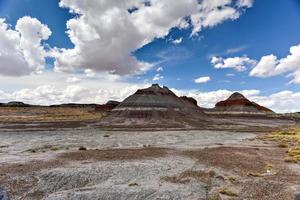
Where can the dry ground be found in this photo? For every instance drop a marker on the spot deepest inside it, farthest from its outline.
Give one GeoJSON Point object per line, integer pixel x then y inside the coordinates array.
{"type": "Point", "coordinates": [192, 165]}
{"type": "Point", "coordinates": [225, 172]}
{"type": "Point", "coordinates": [47, 114]}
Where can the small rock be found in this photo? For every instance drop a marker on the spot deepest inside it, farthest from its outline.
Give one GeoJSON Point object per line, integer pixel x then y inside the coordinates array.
{"type": "Point", "coordinates": [106, 135]}
{"type": "Point", "coordinates": [132, 184]}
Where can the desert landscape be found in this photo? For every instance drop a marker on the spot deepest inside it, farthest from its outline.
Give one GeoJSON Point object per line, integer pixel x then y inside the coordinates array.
{"type": "Point", "coordinates": [149, 147]}
{"type": "Point", "coordinates": [149, 100]}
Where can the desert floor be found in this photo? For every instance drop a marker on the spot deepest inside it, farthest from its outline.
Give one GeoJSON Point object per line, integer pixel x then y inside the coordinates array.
{"type": "Point", "coordinates": [143, 165]}
{"type": "Point", "coordinates": [86, 162]}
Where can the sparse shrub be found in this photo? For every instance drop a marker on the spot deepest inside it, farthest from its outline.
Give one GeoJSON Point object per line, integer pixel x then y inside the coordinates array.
{"type": "Point", "coordinates": [226, 191]}
{"type": "Point", "coordinates": [269, 167]}
{"type": "Point", "coordinates": [287, 133]}
{"type": "Point", "coordinates": [287, 138]}
{"type": "Point", "coordinates": [212, 173]}
{"type": "Point", "coordinates": [54, 148]}
{"type": "Point", "coordinates": [294, 151]}
{"type": "Point", "coordinates": [32, 150]}
{"type": "Point", "coordinates": [283, 145]}
{"type": "Point", "coordinates": [82, 148]}
{"type": "Point", "coordinates": [254, 174]}
{"type": "Point", "coordinates": [233, 180]}
{"type": "Point", "coordinates": [290, 160]}
{"type": "Point", "coordinates": [214, 197]}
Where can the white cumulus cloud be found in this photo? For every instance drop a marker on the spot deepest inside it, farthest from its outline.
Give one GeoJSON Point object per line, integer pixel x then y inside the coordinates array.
{"type": "Point", "coordinates": [270, 65]}
{"type": "Point", "coordinates": [106, 33]}
{"type": "Point", "coordinates": [21, 51]}
{"type": "Point", "coordinates": [203, 79]}
{"type": "Point", "coordinates": [237, 63]}
{"type": "Point", "coordinates": [52, 88]}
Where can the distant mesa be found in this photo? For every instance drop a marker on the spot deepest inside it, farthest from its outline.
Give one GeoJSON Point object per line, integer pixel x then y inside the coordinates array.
{"type": "Point", "coordinates": [108, 106]}
{"type": "Point", "coordinates": [157, 106]}
{"type": "Point", "coordinates": [238, 103]}
{"type": "Point", "coordinates": [74, 105]}
{"type": "Point", "coordinates": [15, 104]}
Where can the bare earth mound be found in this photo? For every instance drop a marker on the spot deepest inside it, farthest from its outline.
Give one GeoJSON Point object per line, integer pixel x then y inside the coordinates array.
{"type": "Point", "coordinates": [239, 104]}
{"type": "Point", "coordinates": [156, 107]}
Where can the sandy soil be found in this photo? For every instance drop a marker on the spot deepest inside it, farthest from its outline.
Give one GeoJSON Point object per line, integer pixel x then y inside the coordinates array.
{"type": "Point", "coordinates": [143, 165]}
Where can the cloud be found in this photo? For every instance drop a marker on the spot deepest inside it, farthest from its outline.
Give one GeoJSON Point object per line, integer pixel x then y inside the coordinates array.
{"type": "Point", "coordinates": [265, 67]}
{"type": "Point", "coordinates": [230, 75]}
{"type": "Point", "coordinates": [245, 3]}
{"type": "Point", "coordinates": [73, 80]}
{"type": "Point", "coordinates": [89, 73]}
{"type": "Point", "coordinates": [237, 63]}
{"type": "Point", "coordinates": [160, 69]}
{"type": "Point", "coordinates": [177, 41]}
{"type": "Point", "coordinates": [235, 50]}
{"type": "Point", "coordinates": [21, 51]}
{"type": "Point", "coordinates": [106, 33]}
{"type": "Point", "coordinates": [157, 77]}
{"type": "Point", "coordinates": [270, 65]}
{"type": "Point", "coordinates": [52, 88]}
{"type": "Point", "coordinates": [49, 94]}
{"type": "Point", "coordinates": [203, 79]}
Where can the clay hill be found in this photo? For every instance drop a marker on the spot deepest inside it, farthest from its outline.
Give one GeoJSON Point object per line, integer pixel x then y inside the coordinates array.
{"type": "Point", "coordinates": [238, 103]}
{"type": "Point", "coordinates": [156, 107]}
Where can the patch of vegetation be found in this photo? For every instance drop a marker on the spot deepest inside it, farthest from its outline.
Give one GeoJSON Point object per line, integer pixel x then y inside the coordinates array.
{"type": "Point", "coordinates": [283, 145]}
{"type": "Point", "coordinates": [54, 148]}
{"type": "Point", "coordinates": [228, 192]}
{"type": "Point", "coordinates": [294, 152]}
{"type": "Point", "coordinates": [269, 167]}
{"type": "Point", "coordinates": [32, 150]}
{"type": "Point", "coordinates": [233, 180]}
{"type": "Point", "coordinates": [82, 148]}
{"type": "Point", "coordinates": [287, 138]}
{"type": "Point", "coordinates": [254, 174]}
{"type": "Point", "coordinates": [48, 114]}
{"type": "Point", "coordinates": [290, 160]}
{"type": "Point", "coordinates": [213, 197]}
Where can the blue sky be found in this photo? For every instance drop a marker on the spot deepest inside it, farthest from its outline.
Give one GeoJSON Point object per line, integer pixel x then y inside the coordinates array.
{"type": "Point", "coordinates": [262, 28]}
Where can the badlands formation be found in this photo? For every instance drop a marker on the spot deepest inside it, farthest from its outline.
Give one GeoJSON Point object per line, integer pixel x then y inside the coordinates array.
{"type": "Point", "coordinates": [159, 108]}
{"type": "Point", "coordinates": [153, 145]}
{"type": "Point", "coordinates": [239, 104]}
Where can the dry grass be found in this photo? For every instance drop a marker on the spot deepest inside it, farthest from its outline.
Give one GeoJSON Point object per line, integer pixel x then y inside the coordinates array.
{"type": "Point", "coordinates": [233, 180]}
{"type": "Point", "coordinates": [235, 159]}
{"type": "Point", "coordinates": [47, 114]}
{"type": "Point", "coordinates": [287, 138]}
{"type": "Point", "coordinates": [227, 192]}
